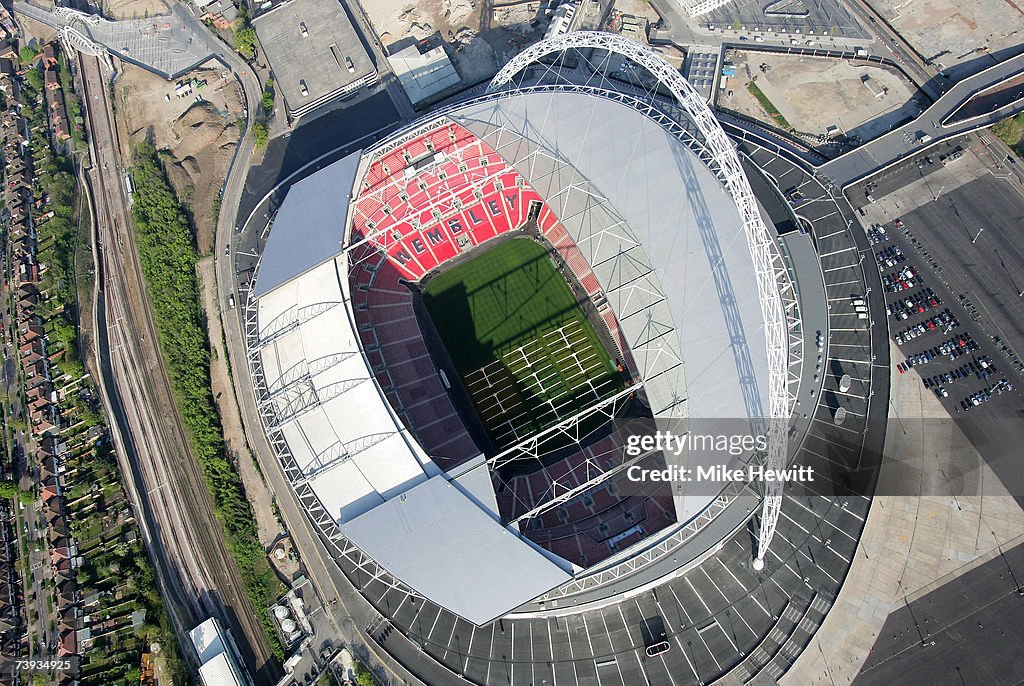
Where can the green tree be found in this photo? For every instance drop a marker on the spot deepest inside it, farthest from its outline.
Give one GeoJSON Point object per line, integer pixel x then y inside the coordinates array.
{"type": "Point", "coordinates": [27, 53]}
{"type": "Point", "coordinates": [245, 41]}
{"type": "Point", "coordinates": [268, 95]}
{"type": "Point", "coordinates": [1010, 130]}
{"type": "Point", "coordinates": [260, 134]}
{"type": "Point", "coordinates": [364, 677]}
{"type": "Point", "coordinates": [9, 490]}
{"type": "Point", "coordinates": [34, 77]}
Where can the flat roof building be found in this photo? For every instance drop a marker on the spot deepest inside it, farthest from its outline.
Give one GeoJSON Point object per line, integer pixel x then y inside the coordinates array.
{"type": "Point", "coordinates": [217, 664]}
{"type": "Point", "coordinates": [423, 68]}
{"type": "Point", "coordinates": [315, 53]}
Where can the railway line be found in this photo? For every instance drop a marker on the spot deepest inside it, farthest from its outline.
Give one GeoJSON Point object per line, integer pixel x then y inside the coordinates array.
{"type": "Point", "coordinates": [185, 535]}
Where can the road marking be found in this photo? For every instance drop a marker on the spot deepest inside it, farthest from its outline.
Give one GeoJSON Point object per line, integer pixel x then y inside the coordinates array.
{"type": "Point", "coordinates": [844, 266]}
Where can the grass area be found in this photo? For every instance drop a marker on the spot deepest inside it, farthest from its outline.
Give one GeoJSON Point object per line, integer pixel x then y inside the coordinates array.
{"type": "Point", "coordinates": [525, 350]}
{"type": "Point", "coordinates": [770, 108]}
{"type": "Point", "coordinates": [1011, 132]}
{"type": "Point", "coordinates": [168, 256]}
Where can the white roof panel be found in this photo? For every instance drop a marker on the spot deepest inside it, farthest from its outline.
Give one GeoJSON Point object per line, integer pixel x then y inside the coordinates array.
{"type": "Point", "coordinates": [317, 429]}
{"type": "Point", "coordinates": [355, 415]}
{"type": "Point", "coordinates": [442, 544]}
{"type": "Point", "coordinates": [389, 476]}
{"type": "Point", "coordinates": [344, 492]}
{"type": "Point", "coordinates": [297, 444]}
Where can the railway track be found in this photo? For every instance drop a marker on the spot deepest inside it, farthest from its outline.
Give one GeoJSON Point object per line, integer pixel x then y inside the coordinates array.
{"type": "Point", "coordinates": [171, 485]}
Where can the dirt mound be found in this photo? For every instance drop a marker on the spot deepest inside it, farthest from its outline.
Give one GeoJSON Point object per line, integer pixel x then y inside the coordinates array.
{"type": "Point", "coordinates": [198, 134]}
{"type": "Point", "coordinates": [201, 128]}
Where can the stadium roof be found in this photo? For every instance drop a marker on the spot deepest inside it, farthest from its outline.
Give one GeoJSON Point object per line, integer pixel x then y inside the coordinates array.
{"type": "Point", "coordinates": [652, 220]}
{"type": "Point", "coordinates": [441, 544]}
{"type": "Point", "coordinates": [664, 240]}
{"type": "Point", "coordinates": [309, 226]}
{"type": "Point", "coordinates": [324, 401]}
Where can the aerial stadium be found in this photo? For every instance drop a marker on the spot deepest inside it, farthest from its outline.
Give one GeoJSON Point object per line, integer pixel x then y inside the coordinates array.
{"type": "Point", "coordinates": [454, 333]}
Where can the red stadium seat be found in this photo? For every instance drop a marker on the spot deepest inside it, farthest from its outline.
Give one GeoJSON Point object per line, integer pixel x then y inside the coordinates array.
{"type": "Point", "coordinates": [416, 218]}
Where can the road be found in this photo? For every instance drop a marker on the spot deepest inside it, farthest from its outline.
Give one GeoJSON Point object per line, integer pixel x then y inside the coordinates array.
{"type": "Point", "coordinates": [920, 72]}
{"type": "Point", "coordinates": [887, 150]}
{"type": "Point", "coordinates": [39, 613]}
{"type": "Point", "coordinates": [187, 535]}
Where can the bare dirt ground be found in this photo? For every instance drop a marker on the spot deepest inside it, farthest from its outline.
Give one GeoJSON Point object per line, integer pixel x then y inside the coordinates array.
{"type": "Point", "coordinates": [223, 390]}
{"type": "Point", "coordinates": [199, 131]}
{"type": "Point", "coordinates": [132, 9]}
{"type": "Point", "coordinates": [952, 30]}
{"type": "Point", "coordinates": [638, 8]}
{"type": "Point", "coordinates": [34, 29]}
{"type": "Point", "coordinates": [476, 54]}
{"type": "Point", "coordinates": [813, 93]}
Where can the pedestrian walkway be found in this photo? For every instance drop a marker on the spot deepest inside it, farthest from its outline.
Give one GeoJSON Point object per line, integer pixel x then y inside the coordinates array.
{"type": "Point", "coordinates": [168, 44]}
{"type": "Point", "coordinates": [915, 541]}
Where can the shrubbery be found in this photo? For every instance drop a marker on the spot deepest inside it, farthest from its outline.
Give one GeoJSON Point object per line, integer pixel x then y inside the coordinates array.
{"type": "Point", "coordinates": [168, 258]}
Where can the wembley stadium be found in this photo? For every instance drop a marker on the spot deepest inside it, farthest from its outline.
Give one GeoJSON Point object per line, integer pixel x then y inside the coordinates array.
{"type": "Point", "coordinates": [452, 335]}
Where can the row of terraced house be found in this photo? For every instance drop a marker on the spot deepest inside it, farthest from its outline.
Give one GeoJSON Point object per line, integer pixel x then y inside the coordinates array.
{"type": "Point", "coordinates": [26, 210]}
{"type": "Point", "coordinates": [87, 549]}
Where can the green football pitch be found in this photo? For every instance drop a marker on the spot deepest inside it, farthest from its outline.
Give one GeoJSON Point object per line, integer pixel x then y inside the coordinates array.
{"type": "Point", "coordinates": [526, 352]}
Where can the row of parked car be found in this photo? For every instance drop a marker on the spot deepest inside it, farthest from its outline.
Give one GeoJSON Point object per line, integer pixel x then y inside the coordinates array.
{"type": "Point", "coordinates": [891, 256]}
{"type": "Point", "coordinates": [964, 371]}
{"type": "Point", "coordinates": [918, 303]}
{"type": "Point", "coordinates": [943, 322]}
{"type": "Point", "coordinates": [986, 394]}
{"type": "Point", "coordinates": [876, 234]}
{"type": "Point", "coordinates": [902, 280]}
{"type": "Point", "coordinates": [953, 349]}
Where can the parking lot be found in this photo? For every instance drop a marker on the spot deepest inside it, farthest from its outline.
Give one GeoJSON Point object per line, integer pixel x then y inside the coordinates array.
{"type": "Point", "coordinates": [818, 18]}
{"type": "Point", "coordinates": [937, 331]}
{"type": "Point", "coordinates": [955, 358]}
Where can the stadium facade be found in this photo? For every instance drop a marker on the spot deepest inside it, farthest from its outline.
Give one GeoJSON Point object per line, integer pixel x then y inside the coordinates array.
{"type": "Point", "coordinates": [639, 199]}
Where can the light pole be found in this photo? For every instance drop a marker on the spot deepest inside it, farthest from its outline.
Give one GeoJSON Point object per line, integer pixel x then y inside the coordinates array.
{"type": "Point", "coordinates": [975, 239]}
{"type": "Point", "coordinates": [1020, 291]}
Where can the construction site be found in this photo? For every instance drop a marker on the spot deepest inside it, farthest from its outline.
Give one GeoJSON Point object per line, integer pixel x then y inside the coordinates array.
{"type": "Point", "coordinates": [195, 122]}
{"type": "Point", "coordinates": [951, 33]}
{"type": "Point", "coordinates": [826, 99]}
{"type": "Point", "coordinates": [480, 36]}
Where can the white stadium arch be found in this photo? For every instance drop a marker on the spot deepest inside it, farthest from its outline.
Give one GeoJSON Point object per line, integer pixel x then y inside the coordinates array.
{"type": "Point", "coordinates": [726, 164]}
